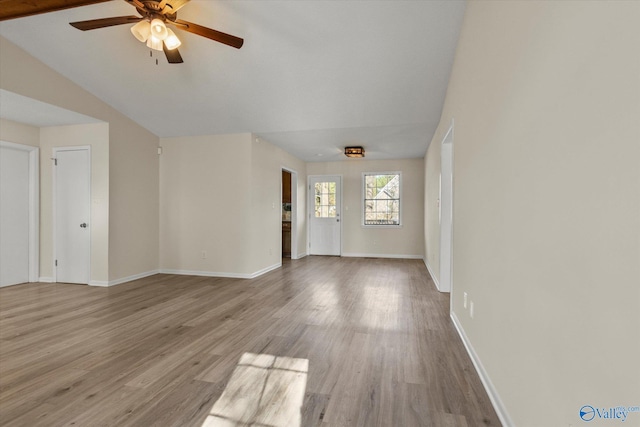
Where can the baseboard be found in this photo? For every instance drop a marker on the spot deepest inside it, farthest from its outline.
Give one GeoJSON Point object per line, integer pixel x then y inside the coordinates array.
{"type": "Point", "coordinates": [394, 256]}
{"type": "Point", "coordinates": [265, 270]}
{"type": "Point", "coordinates": [222, 274]}
{"type": "Point", "coordinates": [498, 406]}
{"type": "Point", "coordinates": [44, 279]}
{"type": "Point", "coordinates": [105, 284]}
{"type": "Point", "coordinates": [99, 283]}
{"type": "Point", "coordinates": [14, 284]}
{"type": "Point", "coordinates": [300, 256]}
{"type": "Point", "coordinates": [433, 276]}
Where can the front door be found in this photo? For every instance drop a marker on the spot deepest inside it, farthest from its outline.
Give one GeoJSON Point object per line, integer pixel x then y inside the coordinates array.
{"type": "Point", "coordinates": [324, 217]}
{"type": "Point", "coordinates": [72, 215]}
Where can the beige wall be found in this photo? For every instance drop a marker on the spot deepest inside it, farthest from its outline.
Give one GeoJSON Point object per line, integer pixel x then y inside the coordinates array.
{"type": "Point", "coordinates": [546, 101]}
{"type": "Point", "coordinates": [205, 204]}
{"type": "Point", "coordinates": [134, 170]}
{"type": "Point", "coordinates": [19, 133]}
{"type": "Point", "coordinates": [97, 136]}
{"type": "Point", "coordinates": [221, 195]}
{"type": "Point", "coordinates": [133, 163]}
{"type": "Point", "coordinates": [406, 241]}
{"type": "Point", "coordinates": [267, 162]}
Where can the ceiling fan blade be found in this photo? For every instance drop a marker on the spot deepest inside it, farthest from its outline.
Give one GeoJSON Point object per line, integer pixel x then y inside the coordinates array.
{"type": "Point", "coordinates": [136, 3]}
{"type": "Point", "coordinates": [172, 6]}
{"type": "Point", "coordinates": [105, 22]}
{"type": "Point", "coordinates": [10, 9]}
{"type": "Point", "coordinates": [218, 36]}
{"type": "Point", "coordinates": [173, 56]}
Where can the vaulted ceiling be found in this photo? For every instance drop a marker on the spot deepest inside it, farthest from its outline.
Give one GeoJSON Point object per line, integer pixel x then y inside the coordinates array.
{"type": "Point", "coordinates": [312, 76]}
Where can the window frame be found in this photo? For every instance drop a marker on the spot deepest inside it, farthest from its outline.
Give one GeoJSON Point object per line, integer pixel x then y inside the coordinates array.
{"type": "Point", "coordinates": [363, 200]}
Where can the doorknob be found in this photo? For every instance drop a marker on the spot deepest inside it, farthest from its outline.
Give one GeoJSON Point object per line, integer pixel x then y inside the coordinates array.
{"type": "Point", "coordinates": [83, 225]}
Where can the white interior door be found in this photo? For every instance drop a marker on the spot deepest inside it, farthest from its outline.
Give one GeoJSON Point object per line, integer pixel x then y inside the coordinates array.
{"type": "Point", "coordinates": [324, 215]}
{"type": "Point", "coordinates": [14, 216]}
{"type": "Point", "coordinates": [73, 211]}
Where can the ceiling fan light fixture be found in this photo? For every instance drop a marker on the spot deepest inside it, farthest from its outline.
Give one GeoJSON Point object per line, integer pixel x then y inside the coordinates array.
{"type": "Point", "coordinates": [172, 41]}
{"type": "Point", "coordinates": [158, 29]}
{"type": "Point", "coordinates": [154, 43]}
{"type": "Point", "coordinates": [142, 30]}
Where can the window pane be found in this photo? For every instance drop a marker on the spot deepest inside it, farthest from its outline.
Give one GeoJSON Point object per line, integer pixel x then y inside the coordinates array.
{"type": "Point", "coordinates": [325, 199]}
{"type": "Point", "coordinates": [382, 199]}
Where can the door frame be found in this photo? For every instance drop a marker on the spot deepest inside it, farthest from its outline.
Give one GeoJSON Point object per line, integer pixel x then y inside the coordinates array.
{"type": "Point", "coordinates": [311, 209]}
{"type": "Point", "coordinates": [294, 211]}
{"type": "Point", "coordinates": [34, 206]}
{"type": "Point", "coordinates": [446, 217]}
{"type": "Point", "coordinates": [55, 152]}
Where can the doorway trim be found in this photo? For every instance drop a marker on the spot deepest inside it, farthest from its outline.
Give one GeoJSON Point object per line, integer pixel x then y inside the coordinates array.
{"type": "Point", "coordinates": [446, 211]}
{"type": "Point", "coordinates": [294, 211]}
{"type": "Point", "coordinates": [54, 195]}
{"type": "Point", "coordinates": [34, 206]}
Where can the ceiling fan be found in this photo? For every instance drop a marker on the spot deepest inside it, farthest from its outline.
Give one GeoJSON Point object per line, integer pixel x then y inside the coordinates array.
{"type": "Point", "coordinates": [151, 27]}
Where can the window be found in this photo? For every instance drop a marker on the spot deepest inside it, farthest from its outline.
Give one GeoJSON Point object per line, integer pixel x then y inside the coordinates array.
{"type": "Point", "coordinates": [325, 199]}
{"type": "Point", "coordinates": [381, 199]}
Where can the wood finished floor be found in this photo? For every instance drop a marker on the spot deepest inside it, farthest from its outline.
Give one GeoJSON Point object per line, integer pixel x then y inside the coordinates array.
{"type": "Point", "coordinates": [159, 351]}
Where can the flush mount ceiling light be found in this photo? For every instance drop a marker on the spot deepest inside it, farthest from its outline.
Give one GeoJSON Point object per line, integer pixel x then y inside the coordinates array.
{"type": "Point", "coordinates": [354, 151]}
{"type": "Point", "coordinates": [151, 27]}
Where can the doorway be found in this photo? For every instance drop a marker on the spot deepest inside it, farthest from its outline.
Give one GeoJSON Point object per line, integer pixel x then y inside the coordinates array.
{"type": "Point", "coordinates": [72, 214]}
{"type": "Point", "coordinates": [19, 213]}
{"type": "Point", "coordinates": [446, 212]}
{"type": "Point", "coordinates": [286, 214]}
{"type": "Point", "coordinates": [325, 228]}
{"type": "Point", "coordinates": [289, 213]}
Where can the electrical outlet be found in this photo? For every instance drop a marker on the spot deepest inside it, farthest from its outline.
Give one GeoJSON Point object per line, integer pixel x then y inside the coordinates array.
{"type": "Point", "coordinates": [270, 251]}
{"type": "Point", "coordinates": [464, 299]}
{"type": "Point", "coordinates": [471, 309]}
{"type": "Point", "coordinates": [204, 254]}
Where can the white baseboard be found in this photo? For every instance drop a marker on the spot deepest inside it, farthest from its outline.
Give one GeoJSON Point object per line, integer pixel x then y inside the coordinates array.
{"type": "Point", "coordinates": [44, 279]}
{"type": "Point", "coordinates": [105, 284]}
{"type": "Point", "coordinates": [433, 276]}
{"type": "Point", "coordinates": [99, 283]}
{"type": "Point", "coordinates": [222, 274]}
{"type": "Point", "coordinates": [265, 270]}
{"type": "Point", "coordinates": [394, 256]}
{"type": "Point", "coordinates": [299, 256]}
{"type": "Point", "coordinates": [14, 284]}
{"type": "Point", "coordinates": [498, 406]}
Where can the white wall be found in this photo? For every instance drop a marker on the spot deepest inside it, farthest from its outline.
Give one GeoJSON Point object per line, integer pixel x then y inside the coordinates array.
{"type": "Point", "coordinates": [406, 241]}
{"type": "Point", "coordinates": [97, 136]}
{"type": "Point", "coordinates": [546, 101]}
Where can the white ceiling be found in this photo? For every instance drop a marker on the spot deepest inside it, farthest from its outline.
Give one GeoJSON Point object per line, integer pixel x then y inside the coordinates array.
{"type": "Point", "coordinates": [312, 76]}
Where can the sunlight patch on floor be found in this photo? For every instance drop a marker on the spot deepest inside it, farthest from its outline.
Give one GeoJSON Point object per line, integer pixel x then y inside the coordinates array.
{"type": "Point", "coordinates": [264, 391]}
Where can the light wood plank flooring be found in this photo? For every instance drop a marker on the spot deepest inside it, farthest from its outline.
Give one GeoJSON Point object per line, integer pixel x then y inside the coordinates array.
{"type": "Point", "coordinates": [159, 351]}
